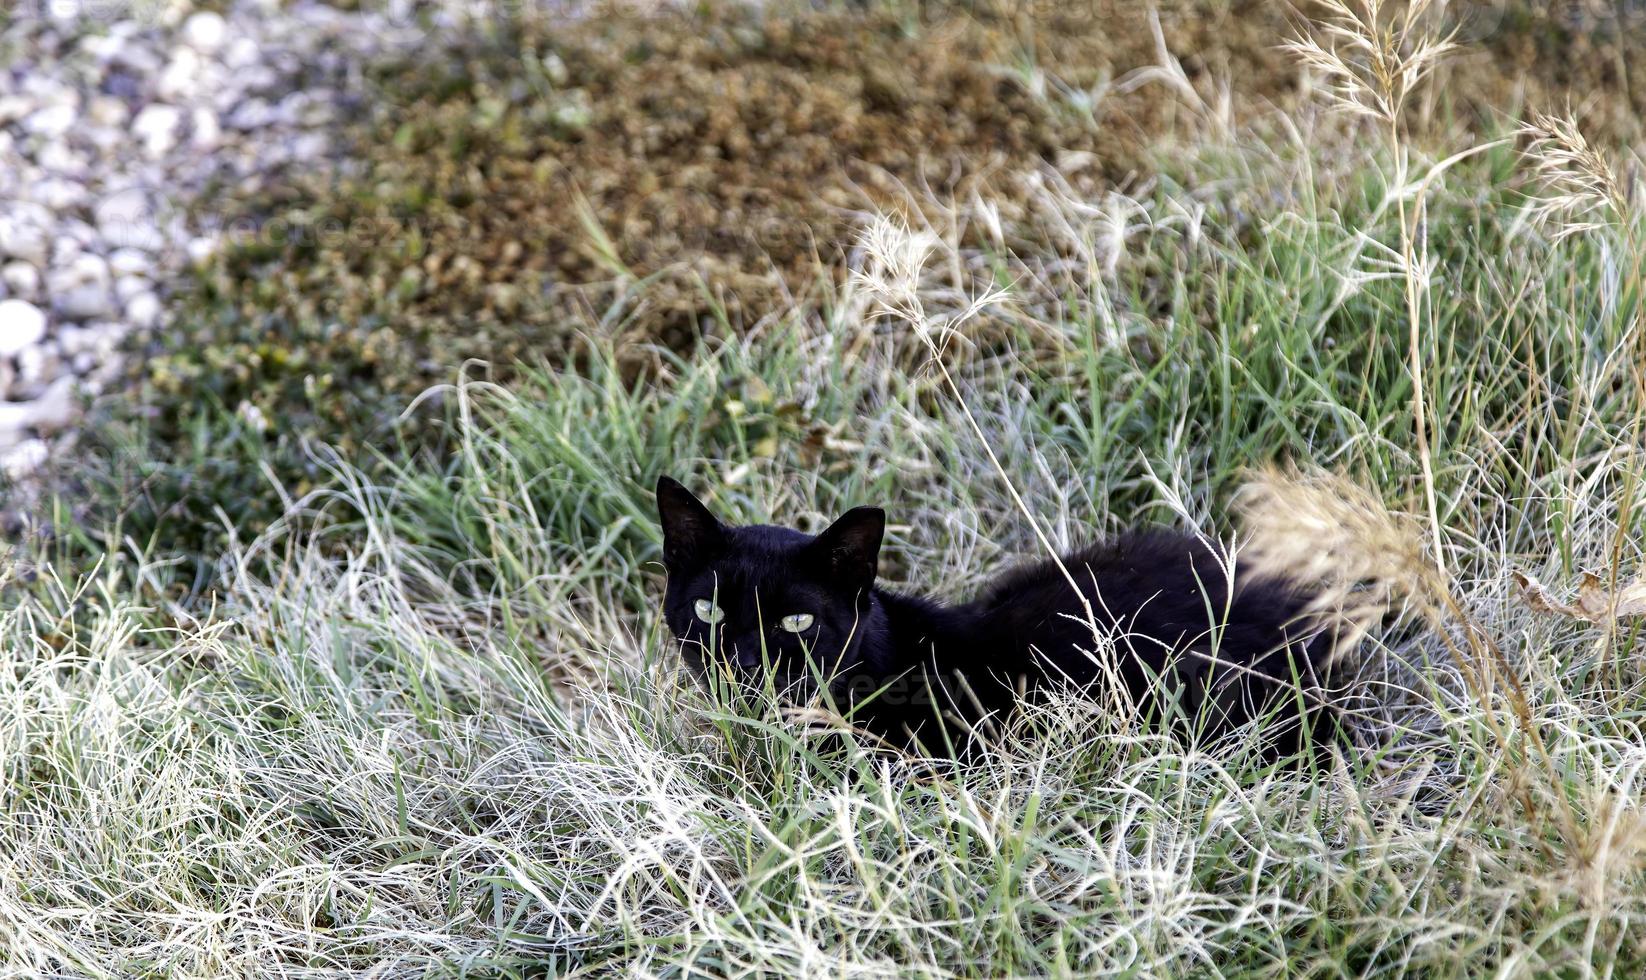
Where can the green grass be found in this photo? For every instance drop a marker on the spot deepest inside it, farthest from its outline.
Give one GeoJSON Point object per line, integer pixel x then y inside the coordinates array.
{"type": "Point", "coordinates": [428, 721]}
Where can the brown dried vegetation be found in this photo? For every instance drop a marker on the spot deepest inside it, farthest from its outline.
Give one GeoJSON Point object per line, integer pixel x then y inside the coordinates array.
{"type": "Point", "coordinates": [717, 155]}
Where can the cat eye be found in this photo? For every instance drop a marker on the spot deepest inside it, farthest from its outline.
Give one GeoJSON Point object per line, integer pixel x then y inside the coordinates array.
{"type": "Point", "coordinates": [708, 611]}
{"type": "Point", "coordinates": [798, 623]}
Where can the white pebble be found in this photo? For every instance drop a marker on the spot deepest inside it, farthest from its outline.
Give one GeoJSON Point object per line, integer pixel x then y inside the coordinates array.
{"type": "Point", "coordinates": [64, 251]}
{"type": "Point", "coordinates": [38, 364]}
{"type": "Point", "coordinates": [23, 241]}
{"type": "Point", "coordinates": [106, 110]}
{"type": "Point", "coordinates": [102, 47]}
{"type": "Point", "coordinates": [204, 32]}
{"type": "Point", "coordinates": [128, 286]}
{"type": "Point", "coordinates": [91, 270]}
{"type": "Point", "coordinates": [143, 311]}
{"type": "Point", "coordinates": [125, 219]}
{"type": "Point", "coordinates": [242, 53]}
{"type": "Point", "coordinates": [180, 80]}
{"type": "Point", "coordinates": [21, 326]}
{"type": "Point", "coordinates": [84, 270]}
{"type": "Point", "coordinates": [106, 338]}
{"type": "Point", "coordinates": [22, 278]}
{"type": "Point", "coordinates": [157, 127]}
{"type": "Point", "coordinates": [29, 213]}
{"type": "Point", "coordinates": [309, 146]}
{"type": "Point", "coordinates": [251, 114]}
{"type": "Point", "coordinates": [51, 122]}
{"type": "Point", "coordinates": [53, 410]}
{"type": "Point", "coordinates": [15, 107]}
{"type": "Point", "coordinates": [77, 231]}
{"type": "Point", "coordinates": [84, 303]}
{"type": "Point", "coordinates": [73, 340]}
{"type": "Point", "coordinates": [58, 157]}
{"type": "Point", "coordinates": [58, 194]}
{"type": "Point", "coordinates": [206, 132]}
{"type": "Point", "coordinates": [201, 249]}
{"type": "Point", "coordinates": [130, 262]}
{"type": "Point", "coordinates": [24, 458]}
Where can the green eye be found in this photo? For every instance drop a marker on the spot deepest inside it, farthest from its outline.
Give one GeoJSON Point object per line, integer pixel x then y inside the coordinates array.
{"type": "Point", "coordinates": [710, 613]}
{"type": "Point", "coordinates": [798, 623]}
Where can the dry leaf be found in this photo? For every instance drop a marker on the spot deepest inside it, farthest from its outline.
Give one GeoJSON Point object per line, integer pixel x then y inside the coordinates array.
{"type": "Point", "coordinates": [1593, 603]}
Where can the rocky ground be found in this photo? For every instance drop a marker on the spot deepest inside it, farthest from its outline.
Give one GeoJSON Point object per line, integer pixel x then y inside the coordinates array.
{"type": "Point", "coordinates": [119, 123]}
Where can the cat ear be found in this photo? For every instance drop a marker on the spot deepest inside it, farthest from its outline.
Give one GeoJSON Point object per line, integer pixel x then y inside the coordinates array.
{"type": "Point", "coordinates": [850, 547]}
{"type": "Point", "coordinates": [690, 533]}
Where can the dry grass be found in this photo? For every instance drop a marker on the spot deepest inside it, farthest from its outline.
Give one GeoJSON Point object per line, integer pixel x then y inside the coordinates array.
{"type": "Point", "coordinates": [430, 723]}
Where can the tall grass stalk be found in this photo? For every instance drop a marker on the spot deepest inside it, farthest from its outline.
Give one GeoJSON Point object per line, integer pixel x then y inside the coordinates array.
{"type": "Point", "coordinates": [1376, 57]}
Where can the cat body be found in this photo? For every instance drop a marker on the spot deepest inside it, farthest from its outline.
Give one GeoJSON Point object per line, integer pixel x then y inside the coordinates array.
{"type": "Point", "coordinates": [1149, 613]}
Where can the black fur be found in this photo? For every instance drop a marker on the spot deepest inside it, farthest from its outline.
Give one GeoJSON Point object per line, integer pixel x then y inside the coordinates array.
{"type": "Point", "coordinates": [1185, 650]}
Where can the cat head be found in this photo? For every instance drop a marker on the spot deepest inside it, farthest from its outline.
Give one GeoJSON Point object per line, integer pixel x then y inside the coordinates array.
{"type": "Point", "coordinates": [769, 604]}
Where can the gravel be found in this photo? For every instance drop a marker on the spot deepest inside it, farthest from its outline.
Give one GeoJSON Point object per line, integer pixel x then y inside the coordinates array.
{"type": "Point", "coordinates": [115, 120]}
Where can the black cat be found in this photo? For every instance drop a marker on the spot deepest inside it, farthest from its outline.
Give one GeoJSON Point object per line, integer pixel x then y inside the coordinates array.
{"type": "Point", "coordinates": [774, 606]}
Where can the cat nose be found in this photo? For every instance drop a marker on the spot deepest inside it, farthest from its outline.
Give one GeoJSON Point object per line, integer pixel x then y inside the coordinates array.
{"type": "Point", "coordinates": [746, 661]}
